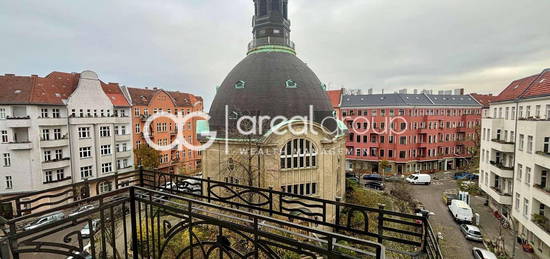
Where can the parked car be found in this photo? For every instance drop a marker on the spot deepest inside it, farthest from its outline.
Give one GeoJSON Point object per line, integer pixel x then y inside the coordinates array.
{"type": "Point", "coordinates": [375, 185]}
{"type": "Point", "coordinates": [465, 176]}
{"type": "Point", "coordinates": [46, 219]}
{"type": "Point", "coordinates": [82, 210]}
{"type": "Point", "coordinates": [482, 254]}
{"type": "Point", "coordinates": [461, 211]}
{"type": "Point", "coordinates": [419, 179]}
{"type": "Point", "coordinates": [471, 232]}
{"type": "Point", "coordinates": [372, 177]}
{"type": "Point", "coordinates": [85, 231]}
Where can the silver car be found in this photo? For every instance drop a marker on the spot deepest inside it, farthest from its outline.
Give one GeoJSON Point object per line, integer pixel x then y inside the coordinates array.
{"type": "Point", "coordinates": [479, 253]}
{"type": "Point", "coordinates": [46, 219]}
{"type": "Point", "coordinates": [471, 232]}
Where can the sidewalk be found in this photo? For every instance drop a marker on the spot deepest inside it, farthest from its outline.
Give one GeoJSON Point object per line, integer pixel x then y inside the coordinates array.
{"type": "Point", "coordinates": [490, 227]}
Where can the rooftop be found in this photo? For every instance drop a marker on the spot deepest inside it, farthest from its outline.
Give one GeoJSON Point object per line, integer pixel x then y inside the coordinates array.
{"type": "Point", "coordinates": [395, 99]}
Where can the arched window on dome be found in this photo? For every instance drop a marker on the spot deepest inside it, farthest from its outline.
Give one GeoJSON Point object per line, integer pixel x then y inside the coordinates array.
{"type": "Point", "coordinates": [298, 154]}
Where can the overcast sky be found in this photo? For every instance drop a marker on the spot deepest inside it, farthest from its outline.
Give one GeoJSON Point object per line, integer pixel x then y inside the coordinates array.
{"type": "Point", "coordinates": [191, 45]}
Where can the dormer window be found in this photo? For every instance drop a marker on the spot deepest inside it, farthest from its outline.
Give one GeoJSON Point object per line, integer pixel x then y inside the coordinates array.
{"type": "Point", "coordinates": [240, 84]}
{"type": "Point", "coordinates": [291, 84]}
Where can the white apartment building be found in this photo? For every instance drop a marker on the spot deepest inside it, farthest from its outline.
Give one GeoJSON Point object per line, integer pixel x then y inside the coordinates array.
{"type": "Point", "coordinates": [515, 158]}
{"type": "Point", "coordinates": [60, 129]}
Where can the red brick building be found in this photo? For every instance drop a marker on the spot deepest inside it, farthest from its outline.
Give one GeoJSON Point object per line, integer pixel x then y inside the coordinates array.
{"type": "Point", "coordinates": [146, 102]}
{"type": "Point", "coordinates": [413, 132]}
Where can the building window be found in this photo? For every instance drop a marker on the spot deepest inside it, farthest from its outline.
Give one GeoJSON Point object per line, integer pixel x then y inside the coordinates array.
{"type": "Point", "coordinates": [105, 131]}
{"type": "Point", "coordinates": [57, 134]}
{"type": "Point", "coordinates": [56, 113]}
{"type": "Point", "coordinates": [138, 128]}
{"type": "Point", "coordinates": [4, 136]}
{"type": "Point", "coordinates": [44, 113]}
{"type": "Point", "coordinates": [520, 172]}
{"type": "Point", "coordinates": [60, 174]}
{"type": "Point", "coordinates": [106, 168]}
{"type": "Point", "coordinates": [45, 134]}
{"type": "Point", "coordinates": [105, 187]}
{"type": "Point", "coordinates": [59, 154]}
{"type": "Point", "coordinates": [47, 156]}
{"type": "Point", "coordinates": [528, 175]}
{"type": "Point", "coordinates": [137, 112]}
{"type": "Point", "coordinates": [7, 159]}
{"type": "Point", "coordinates": [518, 200]}
{"type": "Point", "coordinates": [85, 172]}
{"type": "Point", "coordinates": [84, 132]}
{"type": "Point", "coordinates": [48, 176]}
{"type": "Point", "coordinates": [529, 144]}
{"type": "Point", "coordinates": [105, 150]}
{"type": "Point", "coordinates": [85, 152]}
{"type": "Point", "coordinates": [9, 182]}
{"type": "Point", "coordinates": [521, 141]}
{"type": "Point", "coordinates": [297, 154]}
{"type": "Point", "coordinates": [525, 208]}
{"type": "Point", "coordinates": [2, 113]}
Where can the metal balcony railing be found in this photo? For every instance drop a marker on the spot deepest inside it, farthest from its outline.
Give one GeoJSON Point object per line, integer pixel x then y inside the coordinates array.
{"type": "Point", "coordinates": [157, 215]}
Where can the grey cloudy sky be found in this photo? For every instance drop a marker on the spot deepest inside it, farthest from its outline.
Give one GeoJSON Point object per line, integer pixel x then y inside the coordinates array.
{"type": "Point", "coordinates": [190, 45]}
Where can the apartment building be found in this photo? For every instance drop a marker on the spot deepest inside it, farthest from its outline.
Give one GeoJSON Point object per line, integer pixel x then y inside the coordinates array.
{"type": "Point", "coordinates": [515, 158]}
{"type": "Point", "coordinates": [60, 129]}
{"type": "Point", "coordinates": [413, 132]}
{"type": "Point", "coordinates": [163, 131]}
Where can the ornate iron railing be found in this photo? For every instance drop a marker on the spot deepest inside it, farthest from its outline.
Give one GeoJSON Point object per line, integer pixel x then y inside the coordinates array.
{"type": "Point", "coordinates": [312, 219]}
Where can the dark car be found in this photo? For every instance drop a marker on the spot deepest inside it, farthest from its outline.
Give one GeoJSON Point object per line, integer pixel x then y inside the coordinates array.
{"type": "Point", "coordinates": [350, 174]}
{"type": "Point", "coordinates": [375, 185]}
{"type": "Point", "coordinates": [465, 176]}
{"type": "Point", "coordinates": [372, 177]}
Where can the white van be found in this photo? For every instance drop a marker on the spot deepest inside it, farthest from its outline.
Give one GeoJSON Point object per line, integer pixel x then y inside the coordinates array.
{"type": "Point", "coordinates": [419, 179]}
{"type": "Point", "coordinates": [461, 211]}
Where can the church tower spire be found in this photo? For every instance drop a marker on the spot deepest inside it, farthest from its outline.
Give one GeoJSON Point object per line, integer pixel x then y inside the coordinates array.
{"type": "Point", "coordinates": [271, 26]}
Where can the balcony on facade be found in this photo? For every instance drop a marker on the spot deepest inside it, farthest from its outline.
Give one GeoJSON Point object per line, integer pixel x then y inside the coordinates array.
{"type": "Point", "coordinates": [18, 122]}
{"type": "Point", "coordinates": [124, 137]}
{"type": "Point", "coordinates": [501, 170]}
{"type": "Point", "coordinates": [502, 145]}
{"type": "Point", "coordinates": [541, 219]}
{"type": "Point", "coordinates": [542, 158]}
{"type": "Point", "coordinates": [64, 141]}
{"type": "Point", "coordinates": [499, 195]}
{"type": "Point", "coordinates": [56, 163]}
{"type": "Point", "coordinates": [52, 121]}
{"type": "Point", "coordinates": [122, 154]}
{"type": "Point", "coordinates": [20, 139]}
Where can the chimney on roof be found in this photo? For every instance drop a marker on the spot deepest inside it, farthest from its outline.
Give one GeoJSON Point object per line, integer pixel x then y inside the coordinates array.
{"type": "Point", "coordinates": [154, 88]}
{"type": "Point", "coordinates": [34, 75]}
{"type": "Point", "coordinates": [146, 88]}
{"type": "Point", "coordinates": [403, 91]}
{"type": "Point", "coordinates": [370, 91]}
{"type": "Point", "coordinates": [382, 91]}
{"type": "Point", "coordinates": [9, 74]}
{"type": "Point", "coordinates": [415, 91]}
